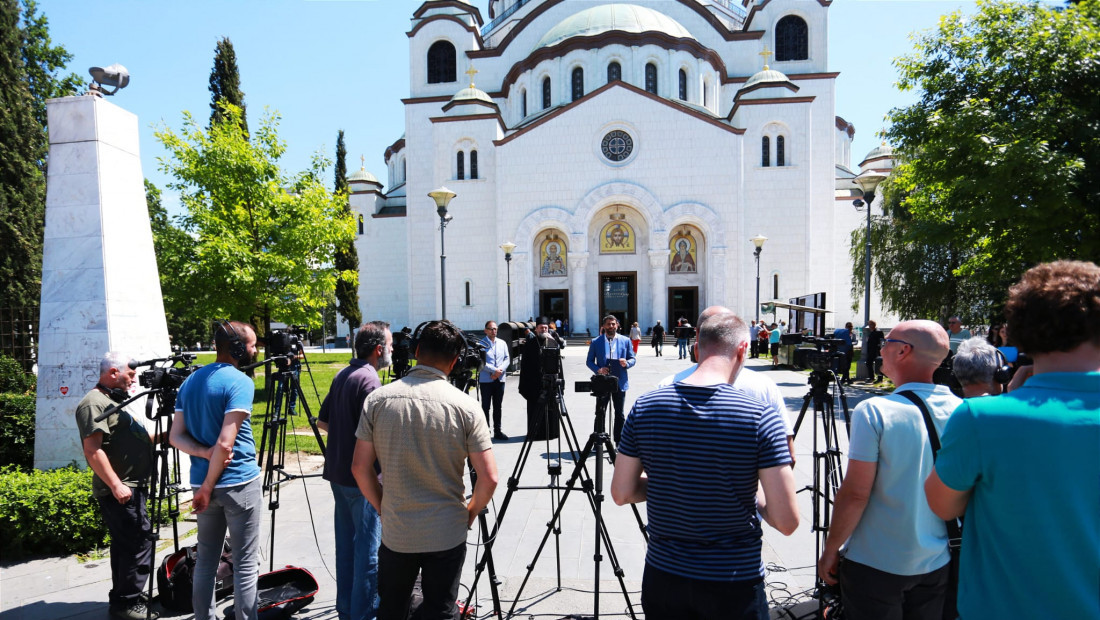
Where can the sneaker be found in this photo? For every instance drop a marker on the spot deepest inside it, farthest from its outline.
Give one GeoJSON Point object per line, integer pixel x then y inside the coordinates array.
{"type": "Point", "coordinates": [499, 436]}
{"type": "Point", "coordinates": [137, 611]}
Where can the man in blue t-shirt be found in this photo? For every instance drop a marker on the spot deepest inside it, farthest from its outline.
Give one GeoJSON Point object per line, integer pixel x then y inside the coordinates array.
{"type": "Point", "coordinates": [1022, 466]}
{"type": "Point", "coordinates": [212, 425]}
{"type": "Point", "coordinates": [844, 334]}
{"type": "Point", "coordinates": [355, 523]}
{"type": "Point", "coordinates": [696, 453]}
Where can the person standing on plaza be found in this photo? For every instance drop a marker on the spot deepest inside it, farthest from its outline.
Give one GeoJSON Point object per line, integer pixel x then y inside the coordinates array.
{"type": "Point", "coordinates": [754, 340]}
{"type": "Point", "coordinates": [774, 336]}
{"type": "Point", "coordinates": [491, 377]}
{"type": "Point", "coordinates": [635, 336]}
{"type": "Point", "coordinates": [844, 334]}
{"type": "Point", "coordinates": [422, 430]}
{"type": "Point", "coordinates": [684, 332]}
{"type": "Point", "coordinates": [697, 452]}
{"type": "Point", "coordinates": [1023, 467]}
{"type": "Point", "coordinates": [875, 338]}
{"type": "Point", "coordinates": [356, 524]}
{"type": "Point", "coordinates": [119, 451]}
{"type": "Point", "coordinates": [612, 354]}
{"type": "Point", "coordinates": [957, 333]}
{"type": "Point", "coordinates": [896, 560]}
{"type": "Point", "coordinates": [658, 337]}
{"type": "Point", "coordinates": [212, 426]}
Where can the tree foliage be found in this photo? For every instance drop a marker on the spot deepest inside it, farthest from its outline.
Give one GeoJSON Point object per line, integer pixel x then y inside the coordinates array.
{"type": "Point", "coordinates": [347, 259]}
{"type": "Point", "coordinates": [997, 159]}
{"type": "Point", "coordinates": [263, 241]}
{"type": "Point", "coordinates": [174, 249]}
{"type": "Point", "coordinates": [43, 61]}
{"type": "Point", "coordinates": [225, 83]}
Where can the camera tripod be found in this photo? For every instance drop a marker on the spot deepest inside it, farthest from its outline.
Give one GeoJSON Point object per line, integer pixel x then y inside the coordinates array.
{"type": "Point", "coordinates": [284, 393]}
{"type": "Point", "coordinates": [828, 471]}
{"type": "Point", "coordinates": [599, 444]}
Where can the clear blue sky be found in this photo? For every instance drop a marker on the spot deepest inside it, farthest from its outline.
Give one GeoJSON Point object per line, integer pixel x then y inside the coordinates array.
{"type": "Point", "coordinates": [326, 65]}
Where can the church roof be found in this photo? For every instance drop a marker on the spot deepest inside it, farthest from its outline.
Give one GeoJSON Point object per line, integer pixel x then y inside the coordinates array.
{"type": "Point", "coordinates": [471, 94]}
{"type": "Point", "coordinates": [606, 18]}
{"type": "Point", "coordinates": [362, 176]}
{"type": "Point", "coordinates": [767, 76]}
{"type": "Point", "coordinates": [883, 150]}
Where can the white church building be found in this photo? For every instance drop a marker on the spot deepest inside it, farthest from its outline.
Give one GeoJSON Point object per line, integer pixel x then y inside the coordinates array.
{"type": "Point", "coordinates": [629, 151]}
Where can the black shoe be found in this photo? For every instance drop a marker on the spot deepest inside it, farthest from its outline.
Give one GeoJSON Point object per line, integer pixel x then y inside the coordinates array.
{"type": "Point", "coordinates": [137, 611]}
{"type": "Point", "coordinates": [499, 436]}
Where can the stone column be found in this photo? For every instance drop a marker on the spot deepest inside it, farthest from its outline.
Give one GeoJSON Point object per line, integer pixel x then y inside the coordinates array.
{"type": "Point", "coordinates": [718, 274]}
{"type": "Point", "coordinates": [100, 288]}
{"type": "Point", "coordinates": [578, 321]}
{"type": "Point", "coordinates": [658, 263]}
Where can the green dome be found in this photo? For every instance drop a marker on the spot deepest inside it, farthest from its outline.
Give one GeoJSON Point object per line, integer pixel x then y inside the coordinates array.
{"type": "Point", "coordinates": [613, 17]}
{"type": "Point", "coordinates": [767, 76]}
{"type": "Point", "coordinates": [363, 176]}
{"type": "Point", "coordinates": [471, 94]}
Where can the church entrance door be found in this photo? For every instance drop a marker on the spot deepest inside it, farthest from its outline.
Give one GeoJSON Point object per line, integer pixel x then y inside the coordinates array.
{"type": "Point", "coordinates": [554, 304]}
{"type": "Point", "coordinates": [683, 302]}
{"type": "Point", "coordinates": [619, 296]}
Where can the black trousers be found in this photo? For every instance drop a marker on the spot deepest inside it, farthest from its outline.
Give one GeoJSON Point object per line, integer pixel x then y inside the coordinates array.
{"type": "Point", "coordinates": [871, 594]}
{"type": "Point", "coordinates": [754, 348]}
{"type": "Point", "coordinates": [617, 399]}
{"type": "Point", "coordinates": [492, 392]}
{"type": "Point", "coordinates": [665, 595]}
{"type": "Point", "coordinates": [439, 578]}
{"type": "Point", "coordinates": [131, 546]}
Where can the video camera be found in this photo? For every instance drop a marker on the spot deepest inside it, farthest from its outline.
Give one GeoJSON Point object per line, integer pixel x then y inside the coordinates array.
{"type": "Point", "coordinates": [598, 385]}
{"type": "Point", "coordinates": [167, 377]}
{"type": "Point", "coordinates": [827, 357]}
{"type": "Point", "coordinates": [284, 341]}
{"type": "Point", "coordinates": [469, 359]}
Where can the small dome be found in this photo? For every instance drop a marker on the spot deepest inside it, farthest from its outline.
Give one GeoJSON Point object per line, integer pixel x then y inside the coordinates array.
{"type": "Point", "coordinates": [362, 176]}
{"type": "Point", "coordinates": [613, 17]}
{"type": "Point", "coordinates": [471, 94]}
{"type": "Point", "coordinates": [767, 76]}
{"type": "Point", "coordinates": [883, 150]}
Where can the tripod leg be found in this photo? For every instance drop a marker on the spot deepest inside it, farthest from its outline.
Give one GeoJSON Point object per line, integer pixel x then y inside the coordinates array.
{"type": "Point", "coordinates": [309, 416]}
{"type": "Point", "coordinates": [488, 559]}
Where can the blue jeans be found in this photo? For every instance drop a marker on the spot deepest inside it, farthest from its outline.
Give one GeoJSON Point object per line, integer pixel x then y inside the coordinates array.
{"type": "Point", "coordinates": [682, 344]}
{"type": "Point", "coordinates": [358, 530]}
{"type": "Point", "coordinates": [238, 509]}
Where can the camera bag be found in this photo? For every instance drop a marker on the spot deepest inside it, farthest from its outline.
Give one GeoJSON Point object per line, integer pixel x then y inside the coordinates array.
{"type": "Point", "coordinates": [175, 577]}
{"type": "Point", "coordinates": [282, 593]}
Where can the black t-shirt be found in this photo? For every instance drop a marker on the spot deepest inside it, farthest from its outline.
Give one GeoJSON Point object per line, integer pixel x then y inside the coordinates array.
{"type": "Point", "coordinates": [125, 441]}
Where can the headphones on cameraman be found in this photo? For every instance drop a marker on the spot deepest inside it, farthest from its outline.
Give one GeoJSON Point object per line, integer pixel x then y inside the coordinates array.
{"type": "Point", "coordinates": [1003, 373]}
{"type": "Point", "coordinates": [414, 341]}
{"type": "Point", "coordinates": [116, 394]}
{"type": "Point", "coordinates": [237, 350]}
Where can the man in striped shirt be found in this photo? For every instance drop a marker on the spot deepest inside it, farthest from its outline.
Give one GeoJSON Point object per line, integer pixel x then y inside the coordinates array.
{"type": "Point", "coordinates": [707, 457]}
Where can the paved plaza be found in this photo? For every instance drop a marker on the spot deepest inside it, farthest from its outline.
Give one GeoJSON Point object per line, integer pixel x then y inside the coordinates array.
{"type": "Point", "coordinates": [63, 587]}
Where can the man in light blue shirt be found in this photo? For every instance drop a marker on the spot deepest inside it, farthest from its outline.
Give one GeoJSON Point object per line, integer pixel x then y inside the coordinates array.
{"type": "Point", "coordinates": [612, 354]}
{"type": "Point", "coordinates": [896, 562]}
{"type": "Point", "coordinates": [491, 378]}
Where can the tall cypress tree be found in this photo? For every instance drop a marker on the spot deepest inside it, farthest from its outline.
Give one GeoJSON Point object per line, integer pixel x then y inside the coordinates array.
{"type": "Point", "coordinates": [346, 259]}
{"type": "Point", "coordinates": [225, 83]}
{"type": "Point", "coordinates": [22, 183]}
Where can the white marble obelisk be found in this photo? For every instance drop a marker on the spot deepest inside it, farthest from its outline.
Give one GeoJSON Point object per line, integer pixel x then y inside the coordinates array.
{"type": "Point", "coordinates": [100, 289]}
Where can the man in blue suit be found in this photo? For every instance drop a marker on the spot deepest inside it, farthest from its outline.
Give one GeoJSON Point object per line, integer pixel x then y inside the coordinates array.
{"type": "Point", "coordinates": [612, 354]}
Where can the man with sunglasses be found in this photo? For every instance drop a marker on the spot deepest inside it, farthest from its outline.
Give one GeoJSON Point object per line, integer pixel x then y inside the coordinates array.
{"type": "Point", "coordinates": [896, 559]}
{"type": "Point", "coordinates": [956, 333]}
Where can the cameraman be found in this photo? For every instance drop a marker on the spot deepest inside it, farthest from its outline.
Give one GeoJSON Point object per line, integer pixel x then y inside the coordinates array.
{"type": "Point", "coordinates": [119, 451]}
{"type": "Point", "coordinates": [542, 421]}
{"type": "Point", "coordinates": [974, 366]}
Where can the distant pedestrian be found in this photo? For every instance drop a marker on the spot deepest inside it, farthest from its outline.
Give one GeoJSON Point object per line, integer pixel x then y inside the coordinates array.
{"type": "Point", "coordinates": [658, 337]}
{"type": "Point", "coordinates": [635, 336]}
{"type": "Point", "coordinates": [754, 340]}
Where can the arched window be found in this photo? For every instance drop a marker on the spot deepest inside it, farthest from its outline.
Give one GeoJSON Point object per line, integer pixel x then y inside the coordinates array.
{"type": "Point", "coordinates": [651, 78]}
{"type": "Point", "coordinates": [360, 223]}
{"type": "Point", "coordinates": [441, 62]}
{"type": "Point", "coordinates": [614, 72]}
{"type": "Point", "coordinates": [460, 166]}
{"type": "Point", "coordinates": [473, 164]}
{"type": "Point", "coordinates": [706, 94]}
{"type": "Point", "coordinates": [780, 151]}
{"type": "Point", "coordinates": [403, 170]}
{"type": "Point", "coordinates": [775, 286]}
{"type": "Point", "coordinates": [765, 152]}
{"type": "Point", "coordinates": [578, 83]}
{"type": "Point", "coordinates": [545, 93]}
{"type": "Point", "coordinates": [523, 101]}
{"type": "Point", "coordinates": [791, 39]}
{"type": "Point", "coordinates": [683, 85]}
{"type": "Point", "coordinates": [469, 295]}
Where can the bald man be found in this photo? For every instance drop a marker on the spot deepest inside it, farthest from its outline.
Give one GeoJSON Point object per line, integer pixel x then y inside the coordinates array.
{"type": "Point", "coordinates": [896, 557]}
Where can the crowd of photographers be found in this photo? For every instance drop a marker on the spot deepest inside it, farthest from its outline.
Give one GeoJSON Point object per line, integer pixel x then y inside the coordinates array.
{"type": "Point", "coordinates": [708, 451]}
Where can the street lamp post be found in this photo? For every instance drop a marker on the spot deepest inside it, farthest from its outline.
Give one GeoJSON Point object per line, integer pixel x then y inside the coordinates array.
{"type": "Point", "coordinates": [508, 246]}
{"type": "Point", "coordinates": [442, 198]}
{"type": "Point", "coordinates": [758, 241]}
{"type": "Point", "coordinates": [867, 181]}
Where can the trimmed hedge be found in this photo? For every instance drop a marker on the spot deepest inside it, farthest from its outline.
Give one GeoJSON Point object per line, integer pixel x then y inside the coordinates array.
{"type": "Point", "coordinates": [13, 378]}
{"type": "Point", "coordinates": [45, 512]}
{"type": "Point", "coordinates": [17, 430]}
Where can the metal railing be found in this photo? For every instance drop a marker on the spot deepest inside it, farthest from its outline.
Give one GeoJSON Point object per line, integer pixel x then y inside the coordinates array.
{"type": "Point", "coordinates": [18, 334]}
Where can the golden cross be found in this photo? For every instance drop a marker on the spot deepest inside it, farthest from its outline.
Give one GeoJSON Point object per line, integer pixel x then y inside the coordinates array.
{"type": "Point", "coordinates": [363, 162]}
{"type": "Point", "coordinates": [766, 54]}
{"type": "Point", "coordinates": [470, 72]}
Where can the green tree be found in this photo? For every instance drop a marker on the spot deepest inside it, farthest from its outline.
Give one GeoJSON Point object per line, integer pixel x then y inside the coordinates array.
{"type": "Point", "coordinates": [347, 259]}
{"type": "Point", "coordinates": [263, 241]}
{"type": "Point", "coordinates": [997, 159]}
{"type": "Point", "coordinates": [225, 83]}
{"type": "Point", "coordinates": [174, 249]}
{"type": "Point", "coordinates": [29, 63]}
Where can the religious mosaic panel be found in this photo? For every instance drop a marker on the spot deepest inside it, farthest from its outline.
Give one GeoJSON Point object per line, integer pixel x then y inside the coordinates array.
{"type": "Point", "coordinates": [617, 237]}
{"type": "Point", "coordinates": [683, 252]}
{"type": "Point", "coordinates": [553, 252]}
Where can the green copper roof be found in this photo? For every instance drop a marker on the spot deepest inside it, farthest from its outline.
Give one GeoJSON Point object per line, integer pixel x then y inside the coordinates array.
{"type": "Point", "coordinates": [606, 18]}
{"type": "Point", "coordinates": [364, 176]}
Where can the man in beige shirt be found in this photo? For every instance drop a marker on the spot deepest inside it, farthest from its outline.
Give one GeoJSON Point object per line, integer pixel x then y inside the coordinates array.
{"type": "Point", "coordinates": [421, 429]}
